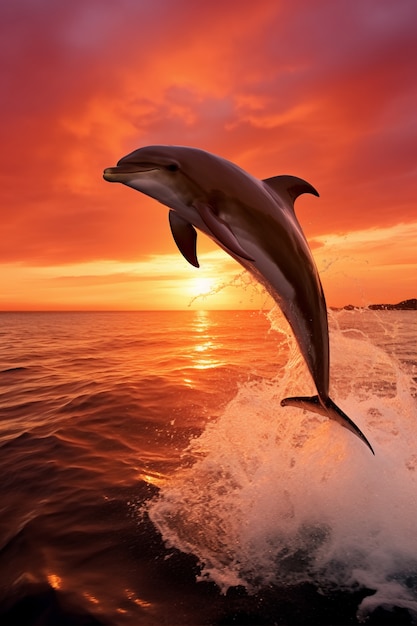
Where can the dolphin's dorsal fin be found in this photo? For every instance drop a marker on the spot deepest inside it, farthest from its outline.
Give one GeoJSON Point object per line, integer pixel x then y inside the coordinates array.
{"type": "Point", "coordinates": [185, 236]}
{"type": "Point", "coordinates": [291, 186]}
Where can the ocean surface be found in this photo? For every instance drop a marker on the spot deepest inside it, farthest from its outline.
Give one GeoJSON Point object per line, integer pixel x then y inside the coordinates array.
{"type": "Point", "coordinates": [149, 475]}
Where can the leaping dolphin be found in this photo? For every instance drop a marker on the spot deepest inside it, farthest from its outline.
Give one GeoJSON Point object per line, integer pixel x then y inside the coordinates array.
{"type": "Point", "coordinates": [253, 221]}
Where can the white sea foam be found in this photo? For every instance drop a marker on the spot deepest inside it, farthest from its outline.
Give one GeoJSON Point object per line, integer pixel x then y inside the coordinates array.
{"type": "Point", "coordinates": [271, 495]}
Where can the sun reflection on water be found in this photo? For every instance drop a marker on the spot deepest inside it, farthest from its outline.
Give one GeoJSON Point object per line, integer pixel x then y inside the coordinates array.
{"type": "Point", "coordinates": [131, 595]}
{"type": "Point", "coordinates": [54, 580]}
{"type": "Point", "coordinates": [202, 321]}
{"type": "Point", "coordinates": [156, 478]}
{"type": "Point", "coordinates": [202, 354]}
{"type": "Point", "coordinates": [91, 598]}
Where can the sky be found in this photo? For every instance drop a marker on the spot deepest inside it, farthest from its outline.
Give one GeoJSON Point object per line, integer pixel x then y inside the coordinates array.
{"type": "Point", "coordinates": [324, 90]}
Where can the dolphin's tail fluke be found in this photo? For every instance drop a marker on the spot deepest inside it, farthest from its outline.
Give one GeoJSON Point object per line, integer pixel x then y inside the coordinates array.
{"type": "Point", "coordinates": [329, 409]}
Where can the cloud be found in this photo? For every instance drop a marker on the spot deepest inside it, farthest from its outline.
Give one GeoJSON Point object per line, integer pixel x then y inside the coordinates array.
{"type": "Point", "coordinates": [159, 281]}
{"type": "Point", "coordinates": [366, 266]}
{"type": "Point", "coordinates": [394, 242]}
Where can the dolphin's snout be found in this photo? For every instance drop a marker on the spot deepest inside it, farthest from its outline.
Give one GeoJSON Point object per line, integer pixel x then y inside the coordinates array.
{"type": "Point", "coordinates": [109, 174]}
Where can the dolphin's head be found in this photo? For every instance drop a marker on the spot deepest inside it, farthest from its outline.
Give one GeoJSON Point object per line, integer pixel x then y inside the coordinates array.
{"type": "Point", "coordinates": [142, 164]}
{"type": "Point", "coordinates": [157, 171]}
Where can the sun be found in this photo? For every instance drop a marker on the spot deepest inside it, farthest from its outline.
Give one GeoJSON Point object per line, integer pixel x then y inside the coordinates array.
{"type": "Point", "coordinates": [202, 286]}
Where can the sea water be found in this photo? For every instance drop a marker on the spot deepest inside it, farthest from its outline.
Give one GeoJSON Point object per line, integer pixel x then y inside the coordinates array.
{"type": "Point", "coordinates": [149, 474]}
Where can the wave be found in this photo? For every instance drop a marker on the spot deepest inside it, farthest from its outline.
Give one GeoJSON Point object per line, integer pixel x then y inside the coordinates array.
{"type": "Point", "coordinates": [269, 496]}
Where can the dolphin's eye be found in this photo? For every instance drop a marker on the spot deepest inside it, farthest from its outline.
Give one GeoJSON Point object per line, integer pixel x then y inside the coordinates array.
{"type": "Point", "coordinates": [172, 167]}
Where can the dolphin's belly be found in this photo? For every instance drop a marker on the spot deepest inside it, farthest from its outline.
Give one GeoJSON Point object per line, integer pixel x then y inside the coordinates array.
{"type": "Point", "coordinates": [298, 293]}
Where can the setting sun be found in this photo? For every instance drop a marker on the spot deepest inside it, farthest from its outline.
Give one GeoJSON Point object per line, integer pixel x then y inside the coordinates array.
{"type": "Point", "coordinates": [202, 286]}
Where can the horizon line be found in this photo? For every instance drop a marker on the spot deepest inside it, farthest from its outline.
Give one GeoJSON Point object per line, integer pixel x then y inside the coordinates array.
{"type": "Point", "coordinates": [259, 309]}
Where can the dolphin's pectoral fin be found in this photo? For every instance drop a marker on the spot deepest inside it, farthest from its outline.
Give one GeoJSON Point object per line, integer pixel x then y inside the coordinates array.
{"type": "Point", "coordinates": [329, 409]}
{"type": "Point", "coordinates": [291, 185]}
{"type": "Point", "coordinates": [185, 236]}
{"type": "Point", "coordinates": [220, 229]}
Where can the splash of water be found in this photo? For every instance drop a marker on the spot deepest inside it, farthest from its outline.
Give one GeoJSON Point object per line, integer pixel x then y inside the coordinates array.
{"type": "Point", "coordinates": [275, 496]}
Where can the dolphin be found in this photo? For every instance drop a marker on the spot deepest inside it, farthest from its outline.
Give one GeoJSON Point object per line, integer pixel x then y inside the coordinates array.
{"type": "Point", "coordinates": [255, 223]}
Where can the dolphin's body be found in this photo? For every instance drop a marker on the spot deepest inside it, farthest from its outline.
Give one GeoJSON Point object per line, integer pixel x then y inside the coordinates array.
{"type": "Point", "coordinates": [253, 221]}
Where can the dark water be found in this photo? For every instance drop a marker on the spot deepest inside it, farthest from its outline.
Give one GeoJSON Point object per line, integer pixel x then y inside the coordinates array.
{"type": "Point", "coordinates": [150, 476]}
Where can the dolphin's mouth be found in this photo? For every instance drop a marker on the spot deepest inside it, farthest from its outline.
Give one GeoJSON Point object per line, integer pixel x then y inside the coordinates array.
{"type": "Point", "coordinates": [121, 172]}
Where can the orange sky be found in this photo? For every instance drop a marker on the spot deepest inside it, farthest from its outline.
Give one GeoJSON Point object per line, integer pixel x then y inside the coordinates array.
{"type": "Point", "coordinates": [325, 90]}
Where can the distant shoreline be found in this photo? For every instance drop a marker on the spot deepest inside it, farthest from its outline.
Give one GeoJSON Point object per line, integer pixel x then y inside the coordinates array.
{"type": "Point", "coordinates": [405, 305]}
